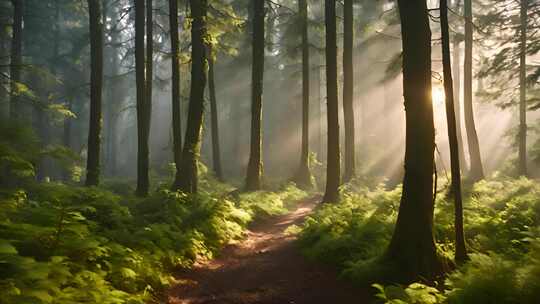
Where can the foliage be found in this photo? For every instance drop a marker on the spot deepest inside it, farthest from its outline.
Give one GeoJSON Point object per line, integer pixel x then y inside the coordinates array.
{"type": "Point", "coordinates": [415, 293]}
{"type": "Point", "coordinates": [356, 229]}
{"type": "Point", "coordinates": [485, 279]}
{"type": "Point", "coordinates": [261, 203]}
{"type": "Point", "coordinates": [501, 22]}
{"type": "Point", "coordinates": [66, 244]}
{"type": "Point", "coordinates": [20, 150]}
{"type": "Point", "coordinates": [502, 219]}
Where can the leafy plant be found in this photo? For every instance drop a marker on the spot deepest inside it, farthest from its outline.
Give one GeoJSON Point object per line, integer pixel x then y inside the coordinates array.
{"type": "Point", "coordinates": [415, 293]}
{"type": "Point", "coordinates": [68, 244]}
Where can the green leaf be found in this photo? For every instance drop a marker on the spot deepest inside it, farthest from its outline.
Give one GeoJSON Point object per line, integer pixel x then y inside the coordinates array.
{"type": "Point", "coordinates": [128, 273]}
{"type": "Point", "coordinates": [7, 248]}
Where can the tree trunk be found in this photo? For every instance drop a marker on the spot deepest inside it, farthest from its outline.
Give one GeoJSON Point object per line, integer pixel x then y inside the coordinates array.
{"type": "Point", "coordinates": [115, 95]}
{"type": "Point", "coordinates": [110, 94]}
{"type": "Point", "coordinates": [333, 166]}
{"type": "Point", "coordinates": [255, 167]}
{"type": "Point", "coordinates": [143, 182]}
{"type": "Point", "coordinates": [16, 109]}
{"type": "Point", "coordinates": [46, 167]}
{"type": "Point", "coordinates": [66, 138]}
{"type": "Point", "coordinates": [461, 251]}
{"type": "Point", "coordinates": [109, 87]}
{"type": "Point", "coordinates": [476, 170]}
{"type": "Point", "coordinates": [192, 145]}
{"type": "Point", "coordinates": [412, 247]}
{"type": "Point", "coordinates": [523, 90]}
{"type": "Point", "coordinates": [42, 128]}
{"type": "Point", "coordinates": [96, 83]}
{"type": "Point", "coordinates": [4, 62]}
{"type": "Point", "coordinates": [457, 93]}
{"type": "Point", "coordinates": [57, 88]}
{"type": "Point", "coordinates": [303, 176]}
{"type": "Point", "coordinates": [348, 91]}
{"type": "Point", "coordinates": [4, 68]}
{"type": "Point", "coordinates": [175, 97]}
{"type": "Point", "coordinates": [456, 61]}
{"type": "Point", "coordinates": [318, 107]}
{"type": "Point", "coordinates": [216, 151]}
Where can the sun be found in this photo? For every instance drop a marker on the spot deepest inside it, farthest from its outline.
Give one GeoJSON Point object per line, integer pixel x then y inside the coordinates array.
{"type": "Point", "coordinates": [437, 95]}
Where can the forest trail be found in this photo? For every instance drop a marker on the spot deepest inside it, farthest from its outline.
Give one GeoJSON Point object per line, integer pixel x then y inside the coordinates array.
{"type": "Point", "coordinates": [265, 268]}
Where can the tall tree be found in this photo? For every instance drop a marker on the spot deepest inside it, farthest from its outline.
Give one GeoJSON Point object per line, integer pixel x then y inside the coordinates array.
{"type": "Point", "coordinates": [46, 167]}
{"type": "Point", "coordinates": [115, 94]}
{"type": "Point", "coordinates": [143, 110]}
{"type": "Point", "coordinates": [192, 145]}
{"type": "Point", "coordinates": [96, 84]}
{"type": "Point", "coordinates": [149, 62]}
{"type": "Point", "coordinates": [175, 92]}
{"type": "Point", "coordinates": [412, 247]}
{"type": "Point", "coordinates": [255, 166]}
{"type": "Point", "coordinates": [456, 61]}
{"type": "Point", "coordinates": [348, 91]}
{"type": "Point", "coordinates": [216, 157]}
{"type": "Point", "coordinates": [4, 65]}
{"type": "Point", "coordinates": [476, 172]}
{"type": "Point", "coordinates": [523, 89]}
{"type": "Point", "coordinates": [332, 164]}
{"type": "Point", "coordinates": [16, 60]}
{"type": "Point", "coordinates": [461, 252]}
{"type": "Point", "coordinates": [66, 137]}
{"type": "Point", "coordinates": [303, 175]}
{"type": "Point", "coordinates": [4, 101]}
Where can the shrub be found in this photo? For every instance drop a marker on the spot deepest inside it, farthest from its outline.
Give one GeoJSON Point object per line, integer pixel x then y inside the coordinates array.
{"type": "Point", "coordinates": [501, 216]}
{"type": "Point", "coordinates": [67, 244]}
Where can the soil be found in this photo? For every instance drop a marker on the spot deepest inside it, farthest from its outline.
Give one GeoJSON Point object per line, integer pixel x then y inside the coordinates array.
{"type": "Point", "coordinates": [267, 267]}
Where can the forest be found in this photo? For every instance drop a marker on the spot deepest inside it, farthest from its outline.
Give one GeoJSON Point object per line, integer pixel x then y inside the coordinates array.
{"type": "Point", "coordinates": [269, 151]}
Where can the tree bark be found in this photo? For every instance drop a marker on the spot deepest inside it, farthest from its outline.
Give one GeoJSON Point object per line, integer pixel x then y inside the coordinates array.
{"type": "Point", "coordinates": [255, 166]}
{"type": "Point", "coordinates": [523, 89]}
{"type": "Point", "coordinates": [66, 138]}
{"type": "Point", "coordinates": [456, 61]}
{"type": "Point", "coordinates": [115, 95]}
{"type": "Point", "coordinates": [461, 251]}
{"type": "Point", "coordinates": [319, 106]}
{"type": "Point", "coordinates": [175, 95]}
{"type": "Point", "coordinates": [143, 182]}
{"type": "Point", "coordinates": [348, 91]}
{"type": "Point", "coordinates": [192, 145]}
{"type": "Point", "coordinates": [412, 247]}
{"type": "Point", "coordinates": [4, 62]}
{"type": "Point", "coordinates": [16, 109]}
{"type": "Point", "coordinates": [333, 163]}
{"type": "Point", "coordinates": [96, 84]}
{"type": "Point", "coordinates": [216, 151]}
{"type": "Point", "coordinates": [303, 176]}
{"type": "Point", "coordinates": [45, 167]}
{"type": "Point", "coordinates": [457, 92]}
{"type": "Point", "coordinates": [476, 172]}
{"type": "Point", "coordinates": [109, 87]}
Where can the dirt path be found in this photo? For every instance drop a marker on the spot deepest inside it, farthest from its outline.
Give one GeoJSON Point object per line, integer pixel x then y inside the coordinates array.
{"type": "Point", "coordinates": [265, 268]}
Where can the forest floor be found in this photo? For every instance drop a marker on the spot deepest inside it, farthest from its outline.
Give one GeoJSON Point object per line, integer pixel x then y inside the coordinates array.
{"type": "Point", "coordinates": [266, 267]}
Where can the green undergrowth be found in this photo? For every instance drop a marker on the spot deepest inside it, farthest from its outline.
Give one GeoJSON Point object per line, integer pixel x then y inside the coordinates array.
{"type": "Point", "coordinates": [68, 244]}
{"type": "Point", "coordinates": [502, 218]}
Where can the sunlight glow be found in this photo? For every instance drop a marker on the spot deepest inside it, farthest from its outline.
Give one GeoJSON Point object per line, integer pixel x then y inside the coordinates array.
{"type": "Point", "coordinates": [437, 95]}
